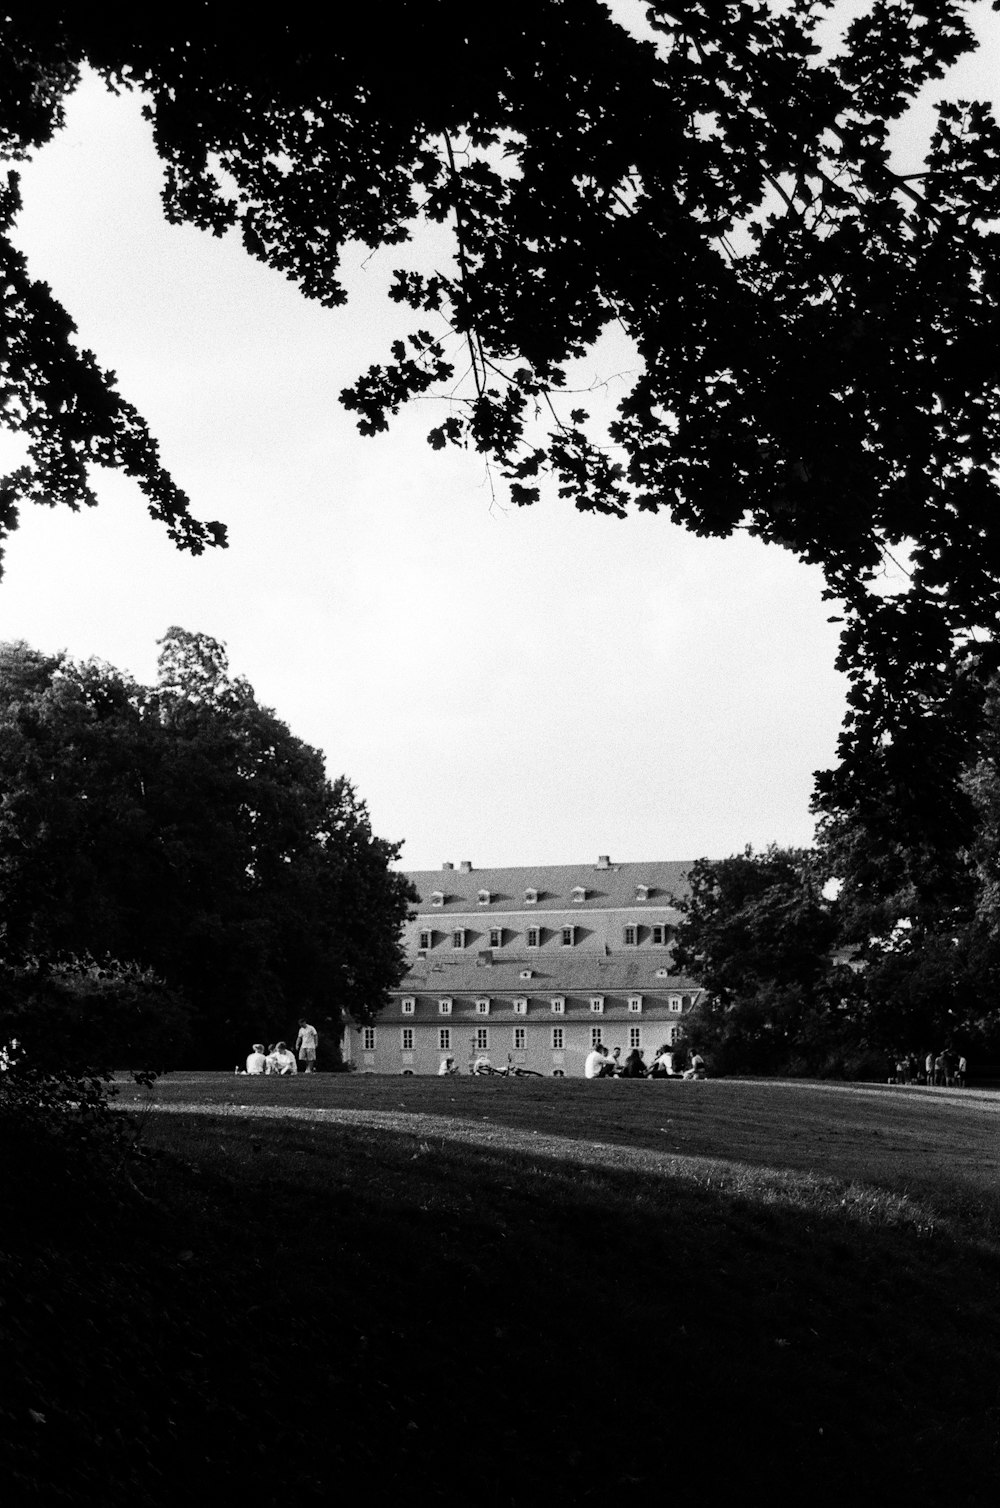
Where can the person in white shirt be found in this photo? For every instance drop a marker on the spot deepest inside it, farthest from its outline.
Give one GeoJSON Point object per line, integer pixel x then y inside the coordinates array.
{"type": "Point", "coordinates": [596, 1065]}
{"type": "Point", "coordinates": [447, 1066]}
{"type": "Point", "coordinates": [482, 1065]}
{"type": "Point", "coordinates": [305, 1046]}
{"type": "Point", "coordinates": [282, 1060]}
{"type": "Point", "coordinates": [257, 1062]}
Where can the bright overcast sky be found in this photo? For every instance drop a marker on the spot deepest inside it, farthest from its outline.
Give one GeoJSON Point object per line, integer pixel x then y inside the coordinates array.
{"type": "Point", "coordinates": [501, 685]}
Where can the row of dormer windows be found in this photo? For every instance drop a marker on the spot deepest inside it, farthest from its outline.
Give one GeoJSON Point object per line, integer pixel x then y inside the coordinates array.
{"type": "Point", "coordinates": [577, 895]}
{"type": "Point", "coordinates": [633, 934]}
{"type": "Point", "coordinates": [557, 1004]}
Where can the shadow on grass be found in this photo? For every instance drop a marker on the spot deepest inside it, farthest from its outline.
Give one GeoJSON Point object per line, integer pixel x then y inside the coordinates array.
{"type": "Point", "coordinates": [294, 1311]}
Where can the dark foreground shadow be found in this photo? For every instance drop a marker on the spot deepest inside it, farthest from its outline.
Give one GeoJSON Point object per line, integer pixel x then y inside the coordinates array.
{"type": "Point", "coordinates": [289, 1315]}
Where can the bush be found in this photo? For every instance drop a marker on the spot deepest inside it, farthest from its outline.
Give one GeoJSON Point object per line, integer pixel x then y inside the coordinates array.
{"type": "Point", "coordinates": [76, 1016]}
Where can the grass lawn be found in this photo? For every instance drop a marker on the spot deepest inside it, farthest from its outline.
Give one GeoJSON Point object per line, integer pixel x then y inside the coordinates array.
{"type": "Point", "coordinates": [492, 1291]}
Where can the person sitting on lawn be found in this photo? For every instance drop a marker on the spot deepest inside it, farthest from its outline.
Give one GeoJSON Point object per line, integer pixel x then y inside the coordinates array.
{"type": "Point", "coordinates": [634, 1066]}
{"type": "Point", "coordinates": [282, 1060]}
{"type": "Point", "coordinates": [663, 1063]}
{"type": "Point", "coordinates": [447, 1066]}
{"type": "Point", "coordinates": [697, 1069]}
{"type": "Point", "coordinates": [257, 1062]}
{"type": "Point", "coordinates": [597, 1064]}
{"type": "Point", "coordinates": [482, 1065]}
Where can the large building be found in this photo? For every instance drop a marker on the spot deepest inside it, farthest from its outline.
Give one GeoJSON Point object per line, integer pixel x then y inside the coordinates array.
{"type": "Point", "coordinates": [533, 967]}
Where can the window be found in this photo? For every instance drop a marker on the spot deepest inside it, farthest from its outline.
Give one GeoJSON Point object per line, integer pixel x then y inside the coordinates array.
{"type": "Point", "coordinates": [635, 1003]}
{"type": "Point", "coordinates": [444, 1007]}
{"type": "Point", "coordinates": [534, 937]}
{"type": "Point", "coordinates": [659, 935]}
{"type": "Point", "coordinates": [630, 936]}
{"type": "Point", "coordinates": [673, 1032]}
{"type": "Point", "coordinates": [444, 1038]}
{"type": "Point", "coordinates": [482, 1007]}
{"type": "Point", "coordinates": [675, 1002]}
{"type": "Point", "coordinates": [521, 1007]}
{"type": "Point", "coordinates": [559, 1006]}
{"type": "Point", "coordinates": [520, 1037]}
{"type": "Point", "coordinates": [595, 1036]}
{"type": "Point", "coordinates": [496, 937]}
{"type": "Point", "coordinates": [568, 936]}
{"type": "Point", "coordinates": [558, 1038]}
{"type": "Point", "coordinates": [530, 897]}
{"type": "Point", "coordinates": [482, 1038]}
{"type": "Point", "coordinates": [368, 1038]}
{"type": "Point", "coordinates": [579, 893]}
{"type": "Point", "coordinates": [635, 1036]}
{"type": "Point", "coordinates": [426, 940]}
{"type": "Point", "coordinates": [458, 938]}
{"type": "Point", "coordinates": [407, 1038]}
{"type": "Point", "coordinates": [409, 1006]}
{"type": "Point", "coordinates": [437, 898]}
{"type": "Point", "coordinates": [484, 897]}
{"type": "Point", "coordinates": [597, 1004]}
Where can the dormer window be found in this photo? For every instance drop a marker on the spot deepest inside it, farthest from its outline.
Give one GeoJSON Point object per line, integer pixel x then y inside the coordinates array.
{"type": "Point", "coordinates": [558, 1005]}
{"type": "Point", "coordinates": [521, 1007]}
{"type": "Point", "coordinates": [635, 1004]}
{"type": "Point", "coordinates": [484, 897]}
{"type": "Point", "coordinates": [630, 936]}
{"type": "Point", "coordinates": [482, 1007]}
{"type": "Point", "coordinates": [597, 1005]}
{"type": "Point", "coordinates": [660, 935]}
{"type": "Point", "coordinates": [426, 939]}
{"type": "Point", "coordinates": [496, 937]}
{"type": "Point", "coordinates": [531, 897]}
{"type": "Point", "coordinates": [663, 973]}
{"type": "Point", "coordinates": [533, 937]}
{"type": "Point", "coordinates": [675, 1003]}
{"type": "Point", "coordinates": [409, 1006]}
{"type": "Point", "coordinates": [437, 898]}
{"type": "Point", "coordinates": [458, 938]}
{"type": "Point", "coordinates": [642, 892]}
{"type": "Point", "coordinates": [568, 937]}
{"type": "Point", "coordinates": [444, 1007]}
{"type": "Point", "coordinates": [579, 893]}
{"type": "Point", "coordinates": [525, 973]}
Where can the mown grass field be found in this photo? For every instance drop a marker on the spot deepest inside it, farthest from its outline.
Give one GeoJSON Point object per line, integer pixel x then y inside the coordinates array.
{"type": "Point", "coordinates": [494, 1291]}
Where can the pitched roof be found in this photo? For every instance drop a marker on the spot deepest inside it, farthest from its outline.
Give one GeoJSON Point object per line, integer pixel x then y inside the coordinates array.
{"type": "Point", "coordinates": [587, 974]}
{"type": "Point", "coordinates": [606, 886]}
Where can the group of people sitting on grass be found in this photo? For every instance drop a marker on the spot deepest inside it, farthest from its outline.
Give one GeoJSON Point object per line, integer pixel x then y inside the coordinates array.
{"type": "Point", "coordinates": [279, 1058]}
{"type": "Point", "coordinates": [601, 1064]}
{"type": "Point", "coordinates": [938, 1068]}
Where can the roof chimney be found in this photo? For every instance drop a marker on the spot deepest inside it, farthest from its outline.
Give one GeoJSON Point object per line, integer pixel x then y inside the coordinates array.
{"type": "Point", "coordinates": [466, 866]}
{"type": "Point", "coordinates": [604, 861]}
{"type": "Point", "coordinates": [446, 865]}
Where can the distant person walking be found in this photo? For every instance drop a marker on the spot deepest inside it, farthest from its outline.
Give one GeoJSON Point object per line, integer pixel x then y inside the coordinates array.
{"type": "Point", "coordinates": [305, 1047]}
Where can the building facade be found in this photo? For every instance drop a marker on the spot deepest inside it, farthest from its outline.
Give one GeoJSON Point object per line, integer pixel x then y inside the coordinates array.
{"type": "Point", "coordinates": [533, 966]}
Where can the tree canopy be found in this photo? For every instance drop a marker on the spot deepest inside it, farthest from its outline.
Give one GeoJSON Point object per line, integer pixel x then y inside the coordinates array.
{"type": "Point", "coordinates": [815, 331]}
{"type": "Point", "coordinates": [182, 828]}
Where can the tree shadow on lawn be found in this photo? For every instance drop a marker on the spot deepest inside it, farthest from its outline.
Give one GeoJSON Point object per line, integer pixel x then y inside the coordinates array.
{"type": "Point", "coordinates": [307, 1310]}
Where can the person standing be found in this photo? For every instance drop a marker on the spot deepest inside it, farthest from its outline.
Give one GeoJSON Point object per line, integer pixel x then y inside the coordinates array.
{"type": "Point", "coordinates": [305, 1047]}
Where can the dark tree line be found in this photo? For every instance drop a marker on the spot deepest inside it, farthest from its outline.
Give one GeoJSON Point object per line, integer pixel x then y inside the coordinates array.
{"type": "Point", "coordinates": [840, 958]}
{"type": "Point", "coordinates": [179, 839]}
